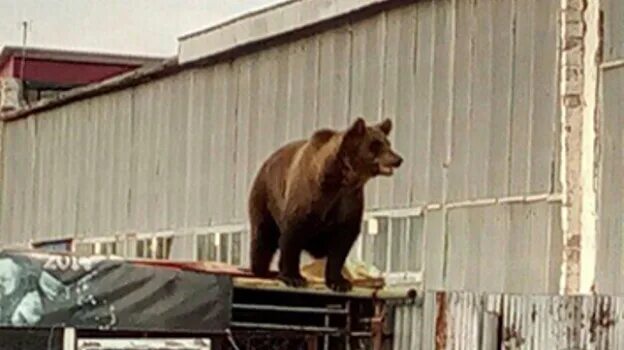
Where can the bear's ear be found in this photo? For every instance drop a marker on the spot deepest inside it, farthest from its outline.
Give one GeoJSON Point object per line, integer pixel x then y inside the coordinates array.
{"type": "Point", "coordinates": [358, 128]}
{"type": "Point", "coordinates": [385, 126]}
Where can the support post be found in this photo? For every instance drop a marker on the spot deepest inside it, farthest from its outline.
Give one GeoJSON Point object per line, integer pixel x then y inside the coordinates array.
{"type": "Point", "coordinates": [579, 64]}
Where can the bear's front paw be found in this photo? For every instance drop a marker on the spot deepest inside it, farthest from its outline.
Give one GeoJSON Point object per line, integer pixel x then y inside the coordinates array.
{"type": "Point", "coordinates": [293, 281]}
{"type": "Point", "coordinates": [339, 285]}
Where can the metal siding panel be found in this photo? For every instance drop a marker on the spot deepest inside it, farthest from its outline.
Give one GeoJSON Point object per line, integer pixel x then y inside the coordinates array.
{"type": "Point", "coordinates": [38, 185]}
{"type": "Point", "coordinates": [538, 231]}
{"type": "Point", "coordinates": [93, 190]}
{"type": "Point", "coordinates": [4, 187]}
{"type": "Point", "coordinates": [399, 83]}
{"type": "Point", "coordinates": [421, 133]}
{"type": "Point", "coordinates": [296, 95]}
{"type": "Point", "coordinates": [441, 96]}
{"type": "Point", "coordinates": [367, 80]}
{"type": "Point", "coordinates": [280, 104]}
{"type": "Point", "coordinates": [434, 250]}
{"type": "Point", "coordinates": [107, 168]}
{"type": "Point", "coordinates": [501, 65]}
{"type": "Point", "coordinates": [176, 204]}
{"type": "Point", "coordinates": [95, 166]}
{"type": "Point", "coordinates": [614, 29]}
{"type": "Point", "coordinates": [334, 76]}
{"type": "Point", "coordinates": [429, 327]}
{"type": "Point", "coordinates": [86, 140]}
{"type": "Point", "coordinates": [22, 170]}
{"type": "Point", "coordinates": [400, 330]}
{"type": "Point", "coordinates": [115, 158]}
{"type": "Point", "coordinates": [231, 136]}
{"type": "Point", "coordinates": [45, 189]}
{"type": "Point", "coordinates": [73, 166]}
{"type": "Point", "coordinates": [310, 85]}
{"type": "Point", "coordinates": [253, 144]}
{"type": "Point", "coordinates": [555, 255]}
{"type": "Point", "coordinates": [519, 248]}
{"type": "Point", "coordinates": [521, 238]}
{"type": "Point", "coordinates": [457, 255]}
{"type": "Point", "coordinates": [218, 135]}
{"type": "Point", "coordinates": [243, 174]}
{"type": "Point", "coordinates": [522, 97]}
{"type": "Point", "coordinates": [63, 167]}
{"type": "Point", "coordinates": [145, 144]}
{"type": "Point", "coordinates": [480, 99]}
{"type": "Point", "coordinates": [385, 186]}
{"type": "Point", "coordinates": [228, 142]}
{"type": "Point", "coordinates": [161, 157]}
{"type": "Point", "coordinates": [124, 141]}
{"type": "Point", "coordinates": [140, 181]}
{"type": "Point", "coordinates": [133, 171]}
{"type": "Point", "coordinates": [609, 245]}
{"type": "Point", "coordinates": [193, 150]}
{"type": "Point", "coordinates": [460, 143]}
{"type": "Point", "coordinates": [51, 125]}
{"type": "Point", "coordinates": [494, 255]}
{"type": "Point", "coordinates": [476, 235]}
{"type": "Point", "coordinates": [10, 201]}
{"type": "Point", "coordinates": [12, 150]}
{"type": "Point", "coordinates": [29, 180]}
{"type": "Point", "coordinates": [79, 154]}
{"type": "Point", "coordinates": [545, 98]}
{"type": "Point", "coordinates": [264, 134]}
{"type": "Point", "coordinates": [206, 95]}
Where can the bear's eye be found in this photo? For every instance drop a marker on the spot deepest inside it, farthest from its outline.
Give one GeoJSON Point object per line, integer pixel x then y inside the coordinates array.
{"type": "Point", "coordinates": [375, 146]}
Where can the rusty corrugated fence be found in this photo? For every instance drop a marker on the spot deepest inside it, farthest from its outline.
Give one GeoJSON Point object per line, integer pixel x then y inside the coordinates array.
{"type": "Point", "coordinates": [464, 320]}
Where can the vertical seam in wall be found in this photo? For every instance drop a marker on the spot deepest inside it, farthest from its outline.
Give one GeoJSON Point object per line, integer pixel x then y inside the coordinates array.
{"type": "Point", "coordinates": [317, 43]}
{"type": "Point", "coordinates": [512, 79]}
{"type": "Point", "coordinates": [563, 161]}
{"type": "Point", "coordinates": [188, 153]}
{"type": "Point", "coordinates": [382, 77]}
{"type": "Point", "coordinates": [466, 177]}
{"type": "Point", "coordinates": [430, 87]}
{"type": "Point", "coordinates": [557, 131]}
{"type": "Point", "coordinates": [530, 98]}
{"type": "Point", "coordinates": [449, 141]}
{"type": "Point", "coordinates": [350, 70]}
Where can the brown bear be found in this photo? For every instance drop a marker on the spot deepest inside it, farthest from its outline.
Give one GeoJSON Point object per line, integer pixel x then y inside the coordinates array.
{"type": "Point", "coordinates": [309, 196]}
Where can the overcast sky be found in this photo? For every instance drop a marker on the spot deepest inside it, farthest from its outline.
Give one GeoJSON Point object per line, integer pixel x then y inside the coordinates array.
{"type": "Point", "coordinates": [120, 26]}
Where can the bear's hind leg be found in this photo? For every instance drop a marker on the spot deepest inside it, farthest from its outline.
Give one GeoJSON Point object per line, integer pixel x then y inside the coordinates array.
{"type": "Point", "coordinates": [265, 237]}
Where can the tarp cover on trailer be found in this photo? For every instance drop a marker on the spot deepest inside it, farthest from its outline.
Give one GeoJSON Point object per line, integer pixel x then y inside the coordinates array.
{"type": "Point", "coordinates": [46, 290]}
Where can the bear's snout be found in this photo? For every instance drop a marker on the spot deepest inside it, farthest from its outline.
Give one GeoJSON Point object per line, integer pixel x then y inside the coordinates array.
{"type": "Point", "coordinates": [397, 161]}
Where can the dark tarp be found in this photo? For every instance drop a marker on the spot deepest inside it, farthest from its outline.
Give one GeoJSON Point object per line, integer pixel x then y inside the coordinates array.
{"type": "Point", "coordinates": [45, 290]}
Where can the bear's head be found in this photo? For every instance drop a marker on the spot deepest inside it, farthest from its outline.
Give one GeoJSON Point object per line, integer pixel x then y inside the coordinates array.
{"type": "Point", "coordinates": [367, 151]}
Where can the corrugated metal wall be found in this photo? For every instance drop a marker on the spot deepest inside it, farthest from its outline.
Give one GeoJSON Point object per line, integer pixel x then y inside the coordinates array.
{"type": "Point", "coordinates": [613, 29]}
{"type": "Point", "coordinates": [443, 320]}
{"type": "Point", "coordinates": [610, 243]}
{"type": "Point", "coordinates": [609, 265]}
{"type": "Point", "coordinates": [472, 87]}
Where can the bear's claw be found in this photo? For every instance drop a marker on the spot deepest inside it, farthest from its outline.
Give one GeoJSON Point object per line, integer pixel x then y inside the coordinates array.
{"type": "Point", "coordinates": [296, 281]}
{"type": "Point", "coordinates": [340, 285]}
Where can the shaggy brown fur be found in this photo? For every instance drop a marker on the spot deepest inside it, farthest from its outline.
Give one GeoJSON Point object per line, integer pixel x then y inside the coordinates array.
{"type": "Point", "coordinates": [308, 195]}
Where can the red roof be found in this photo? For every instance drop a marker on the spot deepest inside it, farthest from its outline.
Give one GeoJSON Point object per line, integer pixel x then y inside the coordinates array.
{"type": "Point", "coordinates": [67, 68]}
